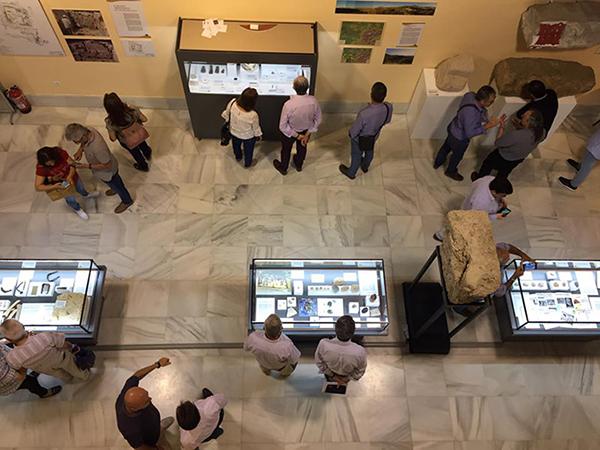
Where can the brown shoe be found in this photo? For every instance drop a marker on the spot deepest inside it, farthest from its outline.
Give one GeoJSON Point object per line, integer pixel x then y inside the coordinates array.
{"type": "Point", "coordinates": [110, 193]}
{"type": "Point", "coordinates": [122, 207]}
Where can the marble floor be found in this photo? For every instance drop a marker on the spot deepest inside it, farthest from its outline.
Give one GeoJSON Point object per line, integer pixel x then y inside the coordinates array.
{"type": "Point", "coordinates": [178, 262]}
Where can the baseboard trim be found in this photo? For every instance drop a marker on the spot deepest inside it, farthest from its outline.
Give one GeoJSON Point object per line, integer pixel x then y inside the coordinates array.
{"type": "Point", "coordinates": [95, 101]}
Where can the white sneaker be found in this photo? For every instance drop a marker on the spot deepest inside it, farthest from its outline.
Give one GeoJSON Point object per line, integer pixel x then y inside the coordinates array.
{"type": "Point", "coordinates": [92, 194]}
{"type": "Point", "coordinates": [81, 213]}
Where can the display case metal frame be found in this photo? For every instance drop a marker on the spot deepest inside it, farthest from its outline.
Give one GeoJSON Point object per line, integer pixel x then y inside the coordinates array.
{"type": "Point", "coordinates": [205, 109]}
{"type": "Point", "coordinates": [86, 333]}
{"type": "Point", "coordinates": [316, 332]}
{"type": "Point", "coordinates": [510, 330]}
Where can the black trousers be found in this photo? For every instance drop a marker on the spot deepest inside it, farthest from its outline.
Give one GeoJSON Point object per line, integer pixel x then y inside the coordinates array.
{"type": "Point", "coordinates": [287, 143]}
{"type": "Point", "coordinates": [495, 161]}
{"type": "Point", "coordinates": [32, 385]}
{"type": "Point", "coordinates": [140, 153]}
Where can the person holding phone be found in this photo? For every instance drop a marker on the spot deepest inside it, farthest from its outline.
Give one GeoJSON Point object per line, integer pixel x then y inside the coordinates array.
{"type": "Point", "coordinates": [487, 194]}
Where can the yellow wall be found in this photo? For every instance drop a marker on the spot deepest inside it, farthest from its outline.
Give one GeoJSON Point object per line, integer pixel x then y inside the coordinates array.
{"type": "Point", "coordinates": [487, 29]}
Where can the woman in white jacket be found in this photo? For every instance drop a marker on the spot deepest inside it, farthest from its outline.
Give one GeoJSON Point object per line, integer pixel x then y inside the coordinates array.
{"type": "Point", "coordinates": [243, 125]}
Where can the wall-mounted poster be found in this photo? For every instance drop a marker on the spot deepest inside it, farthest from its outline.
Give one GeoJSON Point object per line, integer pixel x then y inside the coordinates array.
{"type": "Point", "coordinates": [129, 18]}
{"type": "Point", "coordinates": [25, 30]}
{"type": "Point", "coordinates": [411, 34]}
{"type": "Point", "coordinates": [138, 47]}
{"type": "Point", "coordinates": [92, 50]}
{"type": "Point", "coordinates": [399, 55]}
{"type": "Point", "coordinates": [78, 22]}
{"type": "Point", "coordinates": [385, 7]}
{"type": "Point", "coordinates": [361, 33]}
{"type": "Point", "coordinates": [356, 55]}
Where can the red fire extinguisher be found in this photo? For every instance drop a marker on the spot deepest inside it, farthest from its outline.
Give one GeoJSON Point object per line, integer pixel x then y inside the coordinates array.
{"type": "Point", "coordinates": [15, 94]}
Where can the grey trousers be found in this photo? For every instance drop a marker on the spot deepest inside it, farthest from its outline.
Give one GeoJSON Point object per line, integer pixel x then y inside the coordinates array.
{"type": "Point", "coordinates": [587, 164]}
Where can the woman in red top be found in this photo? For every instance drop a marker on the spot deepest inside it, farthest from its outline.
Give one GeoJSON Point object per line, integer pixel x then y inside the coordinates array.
{"type": "Point", "coordinates": [53, 169]}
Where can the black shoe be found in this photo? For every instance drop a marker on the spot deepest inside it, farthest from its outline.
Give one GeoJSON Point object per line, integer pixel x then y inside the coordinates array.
{"type": "Point", "coordinates": [436, 238]}
{"type": "Point", "coordinates": [279, 167]}
{"type": "Point", "coordinates": [148, 156]}
{"type": "Point", "coordinates": [567, 183]}
{"type": "Point", "coordinates": [454, 175]}
{"type": "Point", "coordinates": [252, 163]}
{"type": "Point", "coordinates": [238, 159]}
{"type": "Point", "coordinates": [52, 392]}
{"type": "Point", "coordinates": [218, 432]}
{"type": "Point", "coordinates": [34, 374]}
{"type": "Point", "coordinates": [364, 169]}
{"type": "Point", "coordinates": [206, 393]}
{"type": "Point", "coordinates": [474, 176]}
{"type": "Point", "coordinates": [141, 168]}
{"type": "Point", "coordinates": [436, 166]}
{"type": "Point", "coordinates": [574, 164]}
{"type": "Point", "coordinates": [346, 171]}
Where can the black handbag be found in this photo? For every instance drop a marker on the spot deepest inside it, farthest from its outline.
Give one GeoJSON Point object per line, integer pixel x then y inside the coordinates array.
{"type": "Point", "coordinates": [84, 358]}
{"type": "Point", "coordinates": [225, 129]}
{"type": "Point", "coordinates": [367, 143]}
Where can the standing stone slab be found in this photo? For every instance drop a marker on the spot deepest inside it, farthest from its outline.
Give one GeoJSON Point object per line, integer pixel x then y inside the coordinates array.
{"type": "Point", "coordinates": [451, 74]}
{"type": "Point", "coordinates": [565, 77]}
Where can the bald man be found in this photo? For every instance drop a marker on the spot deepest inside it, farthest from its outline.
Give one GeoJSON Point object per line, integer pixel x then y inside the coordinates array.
{"type": "Point", "coordinates": [138, 419]}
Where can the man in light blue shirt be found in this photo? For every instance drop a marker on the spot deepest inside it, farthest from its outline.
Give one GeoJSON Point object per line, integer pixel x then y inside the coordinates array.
{"type": "Point", "coordinates": [471, 120]}
{"type": "Point", "coordinates": [365, 131]}
{"type": "Point", "coordinates": [591, 157]}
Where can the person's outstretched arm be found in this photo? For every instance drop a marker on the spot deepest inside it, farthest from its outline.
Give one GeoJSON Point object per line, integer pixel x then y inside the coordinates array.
{"type": "Point", "coordinates": [141, 373]}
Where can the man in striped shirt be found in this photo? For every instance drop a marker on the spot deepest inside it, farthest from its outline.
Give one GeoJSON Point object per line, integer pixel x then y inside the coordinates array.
{"type": "Point", "coordinates": [47, 352]}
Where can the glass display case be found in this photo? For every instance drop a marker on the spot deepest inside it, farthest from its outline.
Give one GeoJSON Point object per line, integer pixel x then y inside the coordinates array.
{"type": "Point", "coordinates": [266, 56]}
{"type": "Point", "coordinates": [57, 295]}
{"type": "Point", "coordinates": [556, 298]}
{"type": "Point", "coordinates": [310, 295]}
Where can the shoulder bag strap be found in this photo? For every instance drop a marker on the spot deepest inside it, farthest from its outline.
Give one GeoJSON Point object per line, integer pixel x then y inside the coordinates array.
{"type": "Point", "coordinates": [231, 106]}
{"type": "Point", "coordinates": [387, 113]}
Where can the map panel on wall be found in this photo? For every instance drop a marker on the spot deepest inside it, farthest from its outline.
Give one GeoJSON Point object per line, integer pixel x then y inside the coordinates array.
{"type": "Point", "coordinates": [92, 50]}
{"type": "Point", "coordinates": [361, 33]}
{"type": "Point", "coordinates": [77, 22]}
{"type": "Point", "coordinates": [25, 30]}
{"type": "Point", "coordinates": [356, 55]}
{"type": "Point", "coordinates": [385, 7]}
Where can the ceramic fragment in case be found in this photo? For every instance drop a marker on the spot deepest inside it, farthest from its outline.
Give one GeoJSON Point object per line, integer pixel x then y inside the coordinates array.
{"type": "Point", "coordinates": [53, 295]}
{"type": "Point", "coordinates": [557, 299]}
{"type": "Point", "coordinates": [310, 295]}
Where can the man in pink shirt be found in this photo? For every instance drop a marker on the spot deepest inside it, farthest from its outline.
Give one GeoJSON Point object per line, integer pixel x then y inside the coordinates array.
{"type": "Point", "coordinates": [300, 117]}
{"type": "Point", "coordinates": [47, 352]}
{"type": "Point", "coordinates": [340, 359]}
{"type": "Point", "coordinates": [272, 349]}
{"type": "Point", "coordinates": [200, 421]}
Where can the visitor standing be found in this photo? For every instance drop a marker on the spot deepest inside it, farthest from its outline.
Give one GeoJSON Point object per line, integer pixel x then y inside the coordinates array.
{"type": "Point", "coordinates": [300, 118]}
{"type": "Point", "coordinates": [584, 168]}
{"type": "Point", "coordinates": [201, 421]}
{"type": "Point", "coordinates": [244, 125]}
{"type": "Point", "coordinates": [541, 99]}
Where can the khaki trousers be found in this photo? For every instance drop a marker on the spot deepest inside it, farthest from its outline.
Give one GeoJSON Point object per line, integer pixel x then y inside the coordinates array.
{"type": "Point", "coordinates": [64, 369]}
{"type": "Point", "coordinates": [285, 372]}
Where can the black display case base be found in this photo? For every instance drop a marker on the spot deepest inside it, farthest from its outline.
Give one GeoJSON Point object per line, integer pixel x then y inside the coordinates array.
{"type": "Point", "coordinates": [422, 302]}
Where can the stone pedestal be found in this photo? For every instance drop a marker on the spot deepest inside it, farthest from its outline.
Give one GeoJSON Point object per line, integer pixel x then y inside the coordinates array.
{"type": "Point", "coordinates": [431, 110]}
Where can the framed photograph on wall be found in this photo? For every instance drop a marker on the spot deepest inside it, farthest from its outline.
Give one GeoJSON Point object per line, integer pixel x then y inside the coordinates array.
{"type": "Point", "coordinates": [361, 33]}
{"type": "Point", "coordinates": [385, 7]}
{"type": "Point", "coordinates": [78, 22]}
{"type": "Point", "coordinates": [92, 50]}
{"type": "Point", "coordinates": [399, 55]}
{"type": "Point", "coordinates": [351, 55]}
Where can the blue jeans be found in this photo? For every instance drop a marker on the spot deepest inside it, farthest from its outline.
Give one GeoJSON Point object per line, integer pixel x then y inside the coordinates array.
{"type": "Point", "coordinates": [140, 153]}
{"type": "Point", "coordinates": [117, 185]}
{"type": "Point", "coordinates": [587, 164]}
{"type": "Point", "coordinates": [458, 149]}
{"type": "Point", "coordinates": [358, 157]}
{"type": "Point", "coordinates": [248, 149]}
{"type": "Point", "coordinates": [71, 200]}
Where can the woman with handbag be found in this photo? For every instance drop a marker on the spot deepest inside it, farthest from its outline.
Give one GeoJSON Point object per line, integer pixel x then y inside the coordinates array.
{"type": "Point", "coordinates": [54, 173]}
{"type": "Point", "coordinates": [244, 125]}
{"type": "Point", "coordinates": [124, 123]}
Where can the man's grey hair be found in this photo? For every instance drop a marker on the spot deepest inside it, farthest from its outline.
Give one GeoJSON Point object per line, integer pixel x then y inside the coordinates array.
{"type": "Point", "coordinates": [13, 330]}
{"type": "Point", "coordinates": [301, 85]}
{"type": "Point", "coordinates": [273, 326]}
{"type": "Point", "coordinates": [75, 131]}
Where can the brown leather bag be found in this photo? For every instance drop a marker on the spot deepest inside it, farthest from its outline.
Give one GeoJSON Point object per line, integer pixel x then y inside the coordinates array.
{"type": "Point", "coordinates": [133, 135]}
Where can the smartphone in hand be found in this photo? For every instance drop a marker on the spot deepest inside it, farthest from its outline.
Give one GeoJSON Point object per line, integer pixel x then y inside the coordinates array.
{"type": "Point", "coordinates": [504, 211]}
{"type": "Point", "coordinates": [529, 265]}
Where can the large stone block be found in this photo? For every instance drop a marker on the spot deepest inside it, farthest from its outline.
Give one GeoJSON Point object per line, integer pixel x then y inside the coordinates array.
{"type": "Point", "coordinates": [451, 74]}
{"type": "Point", "coordinates": [469, 260]}
{"type": "Point", "coordinates": [563, 25]}
{"type": "Point", "coordinates": [565, 77]}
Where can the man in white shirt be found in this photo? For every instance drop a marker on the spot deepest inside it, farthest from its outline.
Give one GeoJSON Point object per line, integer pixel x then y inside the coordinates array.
{"type": "Point", "coordinates": [583, 168]}
{"type": "Point", "coordinates": [272, 349]}
{"type": "Point", "coordinates": [487, 194]}
{"type": "Point", "coordinates": [200, 421]}
{"type": "Point", "coordinates": [340, 359]}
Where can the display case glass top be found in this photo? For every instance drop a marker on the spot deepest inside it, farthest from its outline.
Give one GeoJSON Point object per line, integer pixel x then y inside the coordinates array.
{"type": "Point", "coordinates": [232, 78]}
{"type": "Point", "coordinates": [556, 296]}
{"type": "Point", "coordinates": [310, 295]}
{"type": "Point", "coordinates": [52, 294]}
{"type": "Point", "coordinates": [240, 37]}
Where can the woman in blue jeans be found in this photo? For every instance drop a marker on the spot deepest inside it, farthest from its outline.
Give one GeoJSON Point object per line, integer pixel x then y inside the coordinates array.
{"type": "Point", "coordinates": [54, 171]}
{"type": "Point", "coordinates": [244, 125]}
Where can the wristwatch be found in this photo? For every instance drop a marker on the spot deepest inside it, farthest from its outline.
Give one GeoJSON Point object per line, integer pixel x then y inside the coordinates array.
{"type": "Point", "coordinates": [158, 366]}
